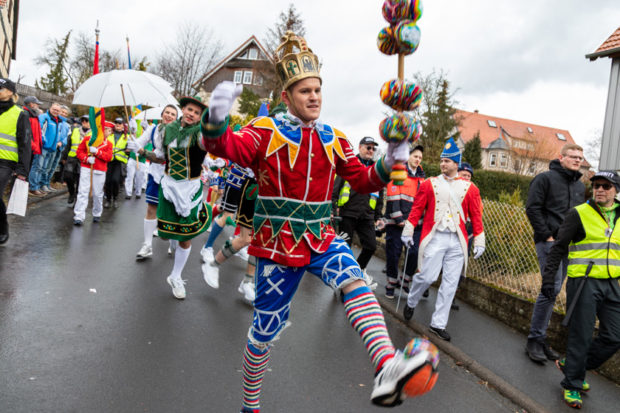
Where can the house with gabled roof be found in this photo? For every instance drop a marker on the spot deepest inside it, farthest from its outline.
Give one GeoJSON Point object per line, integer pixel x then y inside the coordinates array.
{"type": "Point", "coordinates": [610, 145]}
{"type": "Point", "coordinates": [512, 146]}
{"type": "Point", "coordinates": [243, 65]}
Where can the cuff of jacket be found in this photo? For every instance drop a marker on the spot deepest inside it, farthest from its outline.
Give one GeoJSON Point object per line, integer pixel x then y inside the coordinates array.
{"type": "Point", "coordinates": [382, 171]}
{"type": "Point", "coordinates": [212, 131]}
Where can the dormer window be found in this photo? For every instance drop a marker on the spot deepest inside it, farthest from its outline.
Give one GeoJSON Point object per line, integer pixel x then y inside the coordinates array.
{"type": "Point", "coordinates": [530, 130]}
{"type": "Point", "coordinates": [492, 123]}
{"type": "Point", "coordinates": [561, 136]}
{"type": "Point", "coordinates": [253, 54]}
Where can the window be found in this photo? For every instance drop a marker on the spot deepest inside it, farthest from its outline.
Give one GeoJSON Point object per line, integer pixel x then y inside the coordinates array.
{"type": "Point", "coordinates": [503, 160]}
{"type": "Point", "coordinates": [530, 130]}
{"type": "Point", "coordinates": [238, 75]}
{"type": "Point", "coordinates": [561, 136]}
{"type": "Point", "coordinates": [253, 54]}
{"type": "Point", "coordinates": [493, 160]}
{"type": "Point", "coordinates": [247, 78]}
{"type": "Point", "coordinates": [532, 167]}
{"type": "Point", "coordinates": [258, 80]}
{"type": "Point", "coordinates": [492, 123]}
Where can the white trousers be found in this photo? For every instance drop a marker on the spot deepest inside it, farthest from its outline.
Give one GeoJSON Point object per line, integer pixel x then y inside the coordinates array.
{"type": "Point", "coordinates": [136, 177]}
{"type": "Point", "coordinates": [443, 251]}
{"type": "Point", "coordinates": [83, 190]}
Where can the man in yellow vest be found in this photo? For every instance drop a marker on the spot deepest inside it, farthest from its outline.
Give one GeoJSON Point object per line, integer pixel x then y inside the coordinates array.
{"type": "Point", "coordinates": [71, 169]}
{"type": "Point", "coordinates": [115, 173]}
{"type": "Point", "coordinates": [590, 235]}
{"type": "Point", "coordinates": [15, 137]}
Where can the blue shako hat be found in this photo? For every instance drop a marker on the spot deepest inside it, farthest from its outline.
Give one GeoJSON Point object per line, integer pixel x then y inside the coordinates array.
{"type": "Point", "coordinates": [451, 151]}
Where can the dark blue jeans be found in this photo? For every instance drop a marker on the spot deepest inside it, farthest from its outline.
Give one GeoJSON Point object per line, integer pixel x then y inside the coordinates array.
{"type": "Point", "coordinates": [393, 249]}
{"type": "Point", "coordinates": [543, 308]}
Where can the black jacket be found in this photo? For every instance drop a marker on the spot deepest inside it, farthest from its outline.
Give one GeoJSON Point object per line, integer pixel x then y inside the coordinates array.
{"type": "Point", "coordinates": [550, 196]}
{"type": "Point", "coordinates": [571, 230]}
{"type": "Point", "coordinates": [24, 146]}
{"type": "Point", "coordinates": [358, 205]}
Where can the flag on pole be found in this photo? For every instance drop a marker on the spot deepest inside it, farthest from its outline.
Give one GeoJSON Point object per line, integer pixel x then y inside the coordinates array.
{"type": "Point", "coordinates": [96, 116]}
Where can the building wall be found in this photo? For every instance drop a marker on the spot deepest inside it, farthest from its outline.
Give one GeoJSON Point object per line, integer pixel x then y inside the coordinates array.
{"type": "Point", "coordinates": [7, 16]}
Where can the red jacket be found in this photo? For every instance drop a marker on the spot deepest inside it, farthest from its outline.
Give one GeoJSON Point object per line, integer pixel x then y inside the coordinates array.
{"type": "Point", "coordinates": [35, 126]}
{"type": "Point", "coordinates": [294, 168]}
{"type": "Point", "coordinates": [102, 157]}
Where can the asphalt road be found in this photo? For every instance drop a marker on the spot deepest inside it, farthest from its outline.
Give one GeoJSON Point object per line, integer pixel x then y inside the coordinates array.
{"type": "Point", "coordinates": [85, 328]}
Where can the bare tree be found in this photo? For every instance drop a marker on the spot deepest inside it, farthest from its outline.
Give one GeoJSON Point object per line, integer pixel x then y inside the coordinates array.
{"type": "Point", "coordinates": [190, 56]}
{"type": "Point", "coordinates": [530, 154]}
{"type": "Point", "coordinates": [592, 149]}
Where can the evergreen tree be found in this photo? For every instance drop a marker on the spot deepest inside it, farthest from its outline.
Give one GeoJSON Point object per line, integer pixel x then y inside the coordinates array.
{"type": "Point", "coordinates": [437, 114]}
{"type": "Point", "coordinates": [56, 58]}
{"type": "Point", "coordinates": [473, 152]}
{"type": "Point", "coordinates": [249, 102]}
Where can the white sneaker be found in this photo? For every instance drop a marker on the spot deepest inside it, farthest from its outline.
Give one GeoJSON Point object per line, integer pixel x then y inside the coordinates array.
{"type": "Point", "coordinates": [372, 284]}
{"type": "Point", "coordinates": [178, 287]}
{"type": "Point", "coordinates": [394, 375]}
{"type": "Point", "coordinates": [145, 251]}
{"type": "Point", "coordinates": [207, 254]}
{"type": "Point", "coordinates": [45, 188]}
{"type": "Point", "coordinates": [156, 233]}
{"type": "Point", "coordinates": [211, 274]}
{"type": "Point", "coordinates": [247, 289]}
{"type": "Point", "coordinates": [172, 246]}
{"type": "Point", "coordinates": [243, 254]}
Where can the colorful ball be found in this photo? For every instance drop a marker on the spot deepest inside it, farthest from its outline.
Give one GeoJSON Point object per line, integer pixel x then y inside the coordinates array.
{"type": "Point", "coordinates": [407, 36]}
{"type": "Point", "coordinates": [394, 11]}
{"type": "Point", "coordinates": [397, 128]}
{"type": "Point", "coordinates": [387, 42]}
{"type": "Point", "coordinates": [417, 345]}
{"type": "Point", "coordinates": [425, 377]}
{"type": "Point", "coordinates": [400, 95]}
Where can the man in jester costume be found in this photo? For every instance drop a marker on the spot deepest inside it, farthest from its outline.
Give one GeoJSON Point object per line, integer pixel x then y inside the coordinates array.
{"type": "Point", "coordinates": [294, 157]}
{"type": "Point", "coordinates": [181, 212]}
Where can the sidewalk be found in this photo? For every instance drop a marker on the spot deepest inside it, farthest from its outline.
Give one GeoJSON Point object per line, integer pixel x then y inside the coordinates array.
{"type": "Point", "coordinates": [496, 353]}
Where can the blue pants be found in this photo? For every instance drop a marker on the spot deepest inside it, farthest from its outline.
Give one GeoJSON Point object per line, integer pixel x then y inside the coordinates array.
{"type": "Point", "coordinates": [49, 167]}
{"type": "Point", "coordinates": [276, 284]}
{"type": "Point", "coordinates": [35, 178]}
{"type": "Point", "coordinates": [543, 308]}
{"type": "Point", "coordinates": [393, 250]}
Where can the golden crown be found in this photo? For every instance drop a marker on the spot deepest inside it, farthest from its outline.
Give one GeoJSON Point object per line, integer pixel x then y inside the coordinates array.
{"type": "Point", "coordinates": [295, 60]}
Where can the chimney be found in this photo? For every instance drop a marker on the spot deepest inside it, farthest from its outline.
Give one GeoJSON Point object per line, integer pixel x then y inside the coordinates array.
{"type": "Point", "coordinates": [475, 110]}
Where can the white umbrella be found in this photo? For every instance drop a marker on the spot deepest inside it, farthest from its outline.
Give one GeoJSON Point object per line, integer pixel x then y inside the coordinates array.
{"type": "Point", "coordinates": [153, 113]}
{"type": "Point", "coordinates": [107, 89]}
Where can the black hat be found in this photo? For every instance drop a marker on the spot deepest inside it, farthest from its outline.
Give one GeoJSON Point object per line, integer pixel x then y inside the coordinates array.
{"type": "Point", "coordinates": [416, 148]}
{"type": "Point", "coordinates": [7, 84]}
{"type": "Point", "coordinates": [84, 117]}
{"type": "Point", "coordinates": [466, 167]}
{"type": "Point", "coordinates": [32, 99]}
{"type": "Point", "coordinates": [196, 100]}
{"type": "Point", "coordinates": [367, 140]}
{"type": "Point", "coordinates": [118, 120]}
{"type": "Point", "coordinates": [610, 176]}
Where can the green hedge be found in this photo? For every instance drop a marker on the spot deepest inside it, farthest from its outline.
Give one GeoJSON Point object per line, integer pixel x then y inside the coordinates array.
{"type": "Point", "coordinates": [492, 184]}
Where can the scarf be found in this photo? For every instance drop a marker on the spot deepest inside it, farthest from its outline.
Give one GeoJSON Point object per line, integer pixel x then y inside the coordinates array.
{"type": "Point", "coordinates": [185, 136]}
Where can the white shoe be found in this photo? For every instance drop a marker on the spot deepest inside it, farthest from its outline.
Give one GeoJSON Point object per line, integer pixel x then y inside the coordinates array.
{"type": "Point", "coordinates": [247, 289]}
{"type": "Point", "coordinates": [370, 282]}
{"type": "Point", "coordinates": [172, 246]}
{"type": "Point", "coordinates": [243, 254]}
{"type": "Point", "coordinates": [156, 233]}
{"type": "Point", "coordinates": [211, 274]}
{"type": "Point", "coordinates": [145, 251]}
{"type": "Point", "coordinates": [207, 254]}
{"type": "Point", "coordinates": [393, 377]}
{"type": "Point", "coordinates": [178, 287]}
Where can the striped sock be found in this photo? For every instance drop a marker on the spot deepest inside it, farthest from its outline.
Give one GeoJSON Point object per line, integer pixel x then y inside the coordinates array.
{"type": "Point", "coordinates": [364, 314]}
{"type": "Point", "coordinates": [254, 366]}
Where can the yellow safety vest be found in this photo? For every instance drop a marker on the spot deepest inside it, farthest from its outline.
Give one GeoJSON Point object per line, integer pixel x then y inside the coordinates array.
{"type": "Point", "coordinates": [119, 148]}
{"type": "Point", "coordinates": [76, 138]}
{"type": "Point", "coordinates": [8, 134]}
{"type": "Point", "coordinates": [601, 246]}
{"type": "Point", "coordinates": [345, 194]}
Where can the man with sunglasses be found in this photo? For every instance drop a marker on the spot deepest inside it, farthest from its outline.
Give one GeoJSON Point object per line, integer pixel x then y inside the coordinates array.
{"type": "Point", "coordinates": [360, 212]}
{"type": "Point", "coordinates": [591, 238]}
{"type": "Point", "coordinates": [551, 195]}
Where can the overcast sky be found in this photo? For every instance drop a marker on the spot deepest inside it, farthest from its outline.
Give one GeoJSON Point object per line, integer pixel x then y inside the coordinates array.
{"type": "Point", "coordinates": [522, 60]}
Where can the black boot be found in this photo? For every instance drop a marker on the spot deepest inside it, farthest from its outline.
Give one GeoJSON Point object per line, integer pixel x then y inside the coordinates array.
{"type": "Point", "coordinates": [550, 353]}
{"type": "Point", "coordinates": [4, 233]}
{"type": "Point", "coordinates": [535, 350]}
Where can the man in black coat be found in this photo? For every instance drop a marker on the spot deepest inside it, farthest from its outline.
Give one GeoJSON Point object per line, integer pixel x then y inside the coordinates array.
{"type": "Point", "coordinates": [550, 196]}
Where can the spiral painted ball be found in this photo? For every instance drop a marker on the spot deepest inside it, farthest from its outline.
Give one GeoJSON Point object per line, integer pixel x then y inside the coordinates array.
{"type": "Point", "coordinates": [397, 128]}
{"type": "Point", "coordinates": [396, 10]}
{"type": "Point", "coordinates": [400, 95]}
{"type": "Point", "coordinates": [387, 42]}
{"type": "Point", "coordinates": [407, 36]}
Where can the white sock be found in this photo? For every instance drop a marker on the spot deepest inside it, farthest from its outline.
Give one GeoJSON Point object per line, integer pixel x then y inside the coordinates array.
{"type": "Point", "coordinates": [180, 258]}
{"type": "Point", "coordinates": [150, 225]}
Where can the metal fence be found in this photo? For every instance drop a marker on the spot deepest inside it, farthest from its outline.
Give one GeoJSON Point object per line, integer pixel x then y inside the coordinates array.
{"type": "Point", "coordinates": [509, 261]}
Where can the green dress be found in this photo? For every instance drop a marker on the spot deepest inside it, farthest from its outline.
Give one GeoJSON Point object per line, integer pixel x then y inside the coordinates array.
{"type": "Point", "coordinates": [182, 213]}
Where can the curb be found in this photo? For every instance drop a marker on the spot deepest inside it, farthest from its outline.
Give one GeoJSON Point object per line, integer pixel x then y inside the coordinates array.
{"type": "Point", "coordinates": [493, 380]}
{"type": "Point", "coordinates": [32, 200]}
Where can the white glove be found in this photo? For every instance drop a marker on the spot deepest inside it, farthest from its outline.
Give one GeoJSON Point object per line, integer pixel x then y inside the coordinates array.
{"type": "Point", "coordinates": [396, 152]}
{"type": "Point", "coordinates": [222, 100]}
{"type": "Point", "coordinates": [132, 145]}
{"type": "Point", "coordinates": [478, 252]}
{"type": "Point", "coordinates": [133, 126]}
{"type": "Point", "coordinates": [93, 149]}
{"type": "Point", "coordinates": [408, 241]}
{"type": "Point", "coordinates": [91, 160]}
